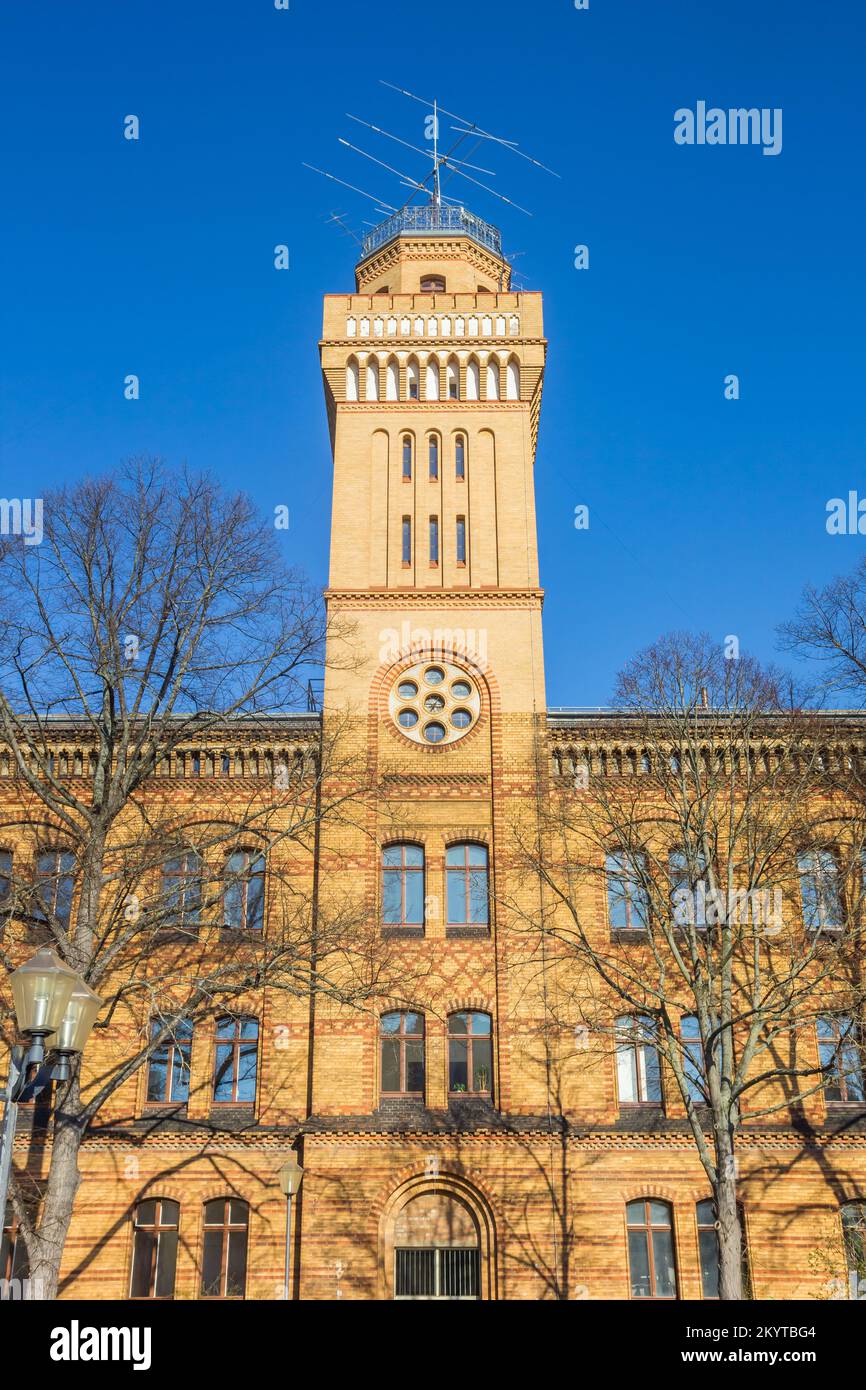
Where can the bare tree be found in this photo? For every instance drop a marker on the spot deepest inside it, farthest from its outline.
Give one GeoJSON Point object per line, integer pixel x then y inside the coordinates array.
{"type": "Point", "coordinates": [157, 622]}
{"type": "Point", "coordinates": [689, 811]}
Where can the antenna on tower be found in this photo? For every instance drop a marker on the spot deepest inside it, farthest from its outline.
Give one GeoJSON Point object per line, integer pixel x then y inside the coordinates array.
{"type": "Point", "coordinates": [443, 164]}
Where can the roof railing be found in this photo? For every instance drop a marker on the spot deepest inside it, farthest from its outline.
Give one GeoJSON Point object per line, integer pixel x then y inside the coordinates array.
{"type": "Point", "coordinates": [428, 217]}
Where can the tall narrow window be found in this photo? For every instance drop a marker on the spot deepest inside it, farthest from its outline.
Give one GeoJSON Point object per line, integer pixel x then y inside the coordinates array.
{"type": "Point", "coordinates": [244, 891]}
{"type": "Point", "coordinates": [353, 386]}
{"type": "Point", "coordinates": [470, 1054]}
{"type": "Point", "coordinates": [473, 381]}
{"type": "Point", "coordinates": [708, 1247]}
{"type": "Point", "coordinates": [55, 871]}
{"type": "Point", "coordinates": [819, 888]}
{"type": "Point", "coordinates": [403, 886]}
{"type": "Point", "coordinates": [407, 457]}
{"type": "Point", "coordinates": [401, 1040]}
{"type": "Point", "coordinates": [5, 875]}
{"type": "Point", "coordinates": [854, 1239]}
{"type": "Point", "coordinates": [434, 540]}
{"type": "Point", "coordinates": [651, 1262]}
{"type": "Point", "coordinates": [392, 381]}
{"type": "Point", "coordinates": [373, 380]}
{"type": "Point", "coordinates": [168, 1068]}
{"type": "Point", "coordinates": [407, 541]}
{"type": "Point", "coordinates": [431, 389]}
{"type": "Point", "coordinates": [627, 901]}
{"type": "Point", "coordinates": [461, 540]}
{"type": "Point", "coordinates": [181, 889]}
{"type": "Point", "coordinates": [685, 872]}
{"type": "Point", "coordinates": [412, 380]}
{"type": "Point", "coordinates": [154, 1250]}
{"type": "Point", "coordinates": [466, 872]}
{"type": "Point", "coordinates": [638, 1073]}
{"type": "Point", "coordinates": [224, 1255]}
{"type": "Point", "coordinates": [460, 458]}
{"type": "Point", "coordinates": [693, 1059]}
{"type": "Point", "coordinates": [512, 378]}
{"type": "Point", "coordinates": [236, 1061]}
{"type": "Point", "coordinates": [842, 1058]}
{"type": "Point", "coordinates": [14, 1263]}
{"type": "Point", "coordinates": [434, 457]}
{"type": "Point", "coordinates": [493, 380]}
{"type": "Point", "coordinates": [453, 379]}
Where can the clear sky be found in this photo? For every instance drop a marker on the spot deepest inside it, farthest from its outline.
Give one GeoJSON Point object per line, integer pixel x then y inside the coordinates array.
{"type": "Point", "coordinates": [155, 257]}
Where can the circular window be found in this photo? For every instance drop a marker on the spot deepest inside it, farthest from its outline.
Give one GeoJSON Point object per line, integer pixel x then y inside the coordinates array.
{"type": "Point", "coordinates": [438, 716]}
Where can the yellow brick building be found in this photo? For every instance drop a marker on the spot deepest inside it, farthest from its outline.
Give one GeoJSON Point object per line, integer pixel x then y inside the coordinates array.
{"type": "Point", "coordinates": [450, 1147]}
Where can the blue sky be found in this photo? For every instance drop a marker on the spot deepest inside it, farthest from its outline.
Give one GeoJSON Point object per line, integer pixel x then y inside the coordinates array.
{"type": "Point", "coordinates": [156, 258]}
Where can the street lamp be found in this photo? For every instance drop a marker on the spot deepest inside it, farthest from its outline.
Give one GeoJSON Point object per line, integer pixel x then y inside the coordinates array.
{"type": "Point", "coordinates": [51, 1001]}
{"type": "Point", "coordinates": [290, 1178]}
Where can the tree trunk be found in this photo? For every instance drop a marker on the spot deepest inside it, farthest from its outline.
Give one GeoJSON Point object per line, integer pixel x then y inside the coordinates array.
{"type": "Point", "coordinates": [728, 1215]}
{"type": "Point", "coordinates": [45, 1250]}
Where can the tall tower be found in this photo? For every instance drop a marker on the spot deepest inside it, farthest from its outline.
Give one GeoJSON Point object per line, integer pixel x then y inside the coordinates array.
{"type": "Point", "coordinates": [433, 375]}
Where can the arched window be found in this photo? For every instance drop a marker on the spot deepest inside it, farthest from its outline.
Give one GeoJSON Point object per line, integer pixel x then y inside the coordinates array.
{"type": "Point", "coordinates": [413, 378]}
{"type": "Point", "coordinates": [853, 1216]}
{"type": "Point", "coordinates": [513, 381]}
{"type": "Point", "coordinates": [432, 386]}
{"type": "Point", "coordinates": [392, 381]}
{"type": "Point", "coordinates": [693, 1059]}
{"type": "Point", "coordinates": [841, 1056]}
{"type": "Point", "coordinates": [403, 885]}
{"type": "Point", "coordinates": [638, 1073]}
{"type": "Point", "coordinates": [651, 1261]}
{"type": "Point", "coordinates": [224, 1253]}
{"type": "Point", "coordinates": [407, 458]}
{"type": "Point", "coordinates": [244, 890]}
{"type": "Point", "coordinates": [470, 1054]}
{"type": "Point", "coordinates": [493, 379]}
{"type": "Point", "coordinates": [627, 900]}
{"type": "Point", "coordinates": [473, 383]}
{"type": "Point", "coordinates": [819, 889]}
{"type": "Point", "coordinates": [55, 885]}
{"type": "Point", "coordinates": [460, 458]}
{"type": "Point", "coordinates": [453, 379]}
{"type": "Point", "coordinates": [467, 882]}
{"type": "Point", "coordinates": [235, 1061]}
{"type": "Point", "coordinates": [169, 1064]}
{"type": "Point", "coordinates": [181, 890]}
{"type": "Point", "coordinates": [372, 380]}
{"type": "Point", "coordinates": [154, 1249]}
{"type": "Point", "coordinates": [432, 284]}
{"type": "Point", "coordinates": [433, 457]}
{"type": "Point", "coordinates": [436, 1250]}
{"type": "Point", "coordinates": [401, 1045]}
{"type": "Point", "coordinates": [351, 327]}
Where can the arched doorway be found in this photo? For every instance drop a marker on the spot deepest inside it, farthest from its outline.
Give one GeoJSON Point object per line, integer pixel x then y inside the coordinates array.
{"type": "Point", "coordinates": [437, 1242]}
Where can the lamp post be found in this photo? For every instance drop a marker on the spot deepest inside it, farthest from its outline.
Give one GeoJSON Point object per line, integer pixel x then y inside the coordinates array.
{"type": "Point", "coordinates": [290, 1176]}
{"type": "Point", "coordinates": [51, 1001]}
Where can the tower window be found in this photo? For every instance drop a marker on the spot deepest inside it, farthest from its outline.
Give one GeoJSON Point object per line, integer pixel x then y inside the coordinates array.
{"type": "Point", "coordinates": [453, 381]}
{"type": "Point", "coordinates": [432, 284]}
{"type": "Point", "coordinates": [434, 458]}
{"type": "Point", "coordinates": [407, 458]}
{"type": "Point", "coordinates": [461, 540]}
{"type": "Point", "coordinates": [407, 541]}
{"type": "Point", "coordinates": [434, 540]}
{"type": "Point", "coordinates": [460, 458]}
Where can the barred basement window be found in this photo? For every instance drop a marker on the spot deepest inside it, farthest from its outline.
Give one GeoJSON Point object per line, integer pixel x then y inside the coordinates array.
{"type": "Point", "coordinates": [437, 1273]}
